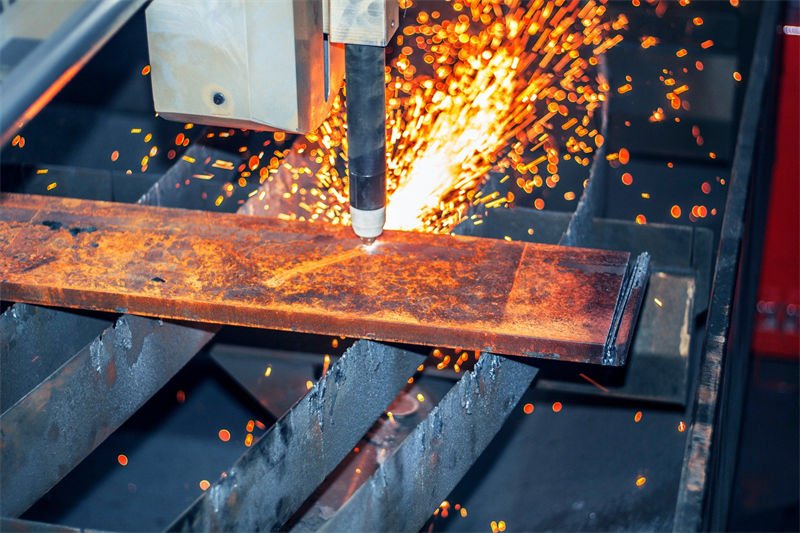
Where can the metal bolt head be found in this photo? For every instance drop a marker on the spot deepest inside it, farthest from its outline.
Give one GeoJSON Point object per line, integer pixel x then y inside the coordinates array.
{"type": "Point", "coordinates": [219, 98]}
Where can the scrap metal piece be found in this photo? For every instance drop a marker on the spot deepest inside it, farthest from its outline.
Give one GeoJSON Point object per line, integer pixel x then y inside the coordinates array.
{"type": "Point", "coordinates": [74, 410]}
{"type": "Point", "coordinates": [427, 466]}
{"type": "Point", "coordinates": [505, 297]}
{"type": "Point", "coordinates": [627, 309]}
{"type": "Point", "coordinates": [276, 475]}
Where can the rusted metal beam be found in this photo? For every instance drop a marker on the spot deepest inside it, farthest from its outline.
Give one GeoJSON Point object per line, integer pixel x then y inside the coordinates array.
{"type": "Point", "coordinates": [284, 467]}
{"type": "Point", "coordinates": [477, 294]}
{"type": "Point", "coordinates": [403, 493]}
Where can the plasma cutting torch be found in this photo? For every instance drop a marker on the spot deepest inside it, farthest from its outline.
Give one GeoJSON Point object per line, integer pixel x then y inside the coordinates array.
{"type": "Point", "coordinates": [366, 139]}
{"type": "Point", "coordinates": [276, 66]}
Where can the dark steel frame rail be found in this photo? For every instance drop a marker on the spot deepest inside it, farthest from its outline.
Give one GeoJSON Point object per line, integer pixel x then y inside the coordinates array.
{"type": "Point", "coordinates": [713, 432]}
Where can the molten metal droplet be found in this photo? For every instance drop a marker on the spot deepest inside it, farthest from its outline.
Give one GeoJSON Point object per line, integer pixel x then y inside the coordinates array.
{"type": "Point", "coordinates": [366, 241]}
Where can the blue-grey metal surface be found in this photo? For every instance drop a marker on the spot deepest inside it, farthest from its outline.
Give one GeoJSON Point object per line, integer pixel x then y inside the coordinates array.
{"type": "Point", "coordinates": [276, 475]}
{"type": "Point", "coordinates": [13, 525]}
{"type": "Point", "coordinates": [55, 426]}
{"type": "Point", "coordinates": [403, 493]}
{"type": "Point", "coordinates": [35, 341]}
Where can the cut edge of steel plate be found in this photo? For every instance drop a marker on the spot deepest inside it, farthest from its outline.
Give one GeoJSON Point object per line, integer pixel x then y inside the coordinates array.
{"type": "Point", "coordinates": [626, 311]}
{"type": "Point", "coordinates": [273, 478]}
{"type": "Point", "coordinates": [427, 466]}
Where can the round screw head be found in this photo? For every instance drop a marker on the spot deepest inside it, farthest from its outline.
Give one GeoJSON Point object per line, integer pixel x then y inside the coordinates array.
{"type": "Point", "coordinates": [219, 98]}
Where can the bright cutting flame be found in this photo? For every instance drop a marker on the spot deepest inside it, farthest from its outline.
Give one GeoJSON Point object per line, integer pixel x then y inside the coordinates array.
{"type": "Point", "coordinates": [493, 85]}
{"type": "Point", "coordinates": [463, 127]}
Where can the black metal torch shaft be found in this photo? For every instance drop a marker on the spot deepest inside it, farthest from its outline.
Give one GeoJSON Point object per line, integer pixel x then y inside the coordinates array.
{"type": "Point", "coordinates": [366, 138]}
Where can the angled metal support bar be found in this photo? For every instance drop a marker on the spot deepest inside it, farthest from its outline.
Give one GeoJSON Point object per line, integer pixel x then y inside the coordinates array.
{"type": "Point", "coordinates": [53, 63]}
{"type": "Point", "coordinates": [403, 493]}
{"type": "Point", "coordinates": [280, 471]}
{"type": "Point", "coordinates": [505, 297]}
{"type": "Point", "coordinates": [35, 341]}
{"type": "Point", "coordinates": [49, 389]}
{"type": "Point", "coordinates": [55, 426]}
{"type": "Point", "coordinates": [592, 200]}
{"type": "Point", "coordinates": [13, 525]}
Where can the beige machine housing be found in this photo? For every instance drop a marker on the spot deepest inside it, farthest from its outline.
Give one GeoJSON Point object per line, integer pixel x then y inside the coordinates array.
{"type": "Point", "coordinates": [368, 22]}
{"type": "Point", "coordinates": [252, 64]}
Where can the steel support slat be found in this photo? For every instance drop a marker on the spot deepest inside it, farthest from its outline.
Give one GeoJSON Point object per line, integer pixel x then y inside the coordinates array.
{"type": "Point", "coordinates": [13, 525]}
{"type": "Point", "coordinates": [403, 493]}
{"type": "Point", "coordinates": [39, 448]}
{"type": "Point", "coordinates": [35, 341]}
{"type": "Point", "coordinates": [55, 426]}
{"type": "Point", "coordinates": [593, 198]}
{"type": "Point", "coordinates": [280, 471]}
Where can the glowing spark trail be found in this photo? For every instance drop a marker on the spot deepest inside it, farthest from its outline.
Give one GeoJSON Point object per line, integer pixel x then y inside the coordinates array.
{"type": "Point", "coordinates": [491, 85]}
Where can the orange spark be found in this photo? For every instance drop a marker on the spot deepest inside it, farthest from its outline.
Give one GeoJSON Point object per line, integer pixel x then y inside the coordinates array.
{"type": "Point", "coordinates": [493, 89]}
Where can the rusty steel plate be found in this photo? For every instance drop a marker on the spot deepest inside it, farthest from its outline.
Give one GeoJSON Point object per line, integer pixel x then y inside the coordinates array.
{"type": "Point", "coordinates": [474, 294]}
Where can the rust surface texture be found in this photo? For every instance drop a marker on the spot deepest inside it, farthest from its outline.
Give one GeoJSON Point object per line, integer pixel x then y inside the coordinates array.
{"type": "Point", "coordinates": [474, 294]}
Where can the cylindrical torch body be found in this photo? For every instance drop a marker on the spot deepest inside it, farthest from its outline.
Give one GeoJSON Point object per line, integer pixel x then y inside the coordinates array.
{"type": "Point", "coordinates": [366, 136]}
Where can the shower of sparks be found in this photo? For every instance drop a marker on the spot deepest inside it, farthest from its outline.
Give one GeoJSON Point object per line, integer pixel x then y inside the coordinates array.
{"type": "Point", "coordinates": [480, 85]}
{"type": "Point", "coordinates": [491, 85]}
